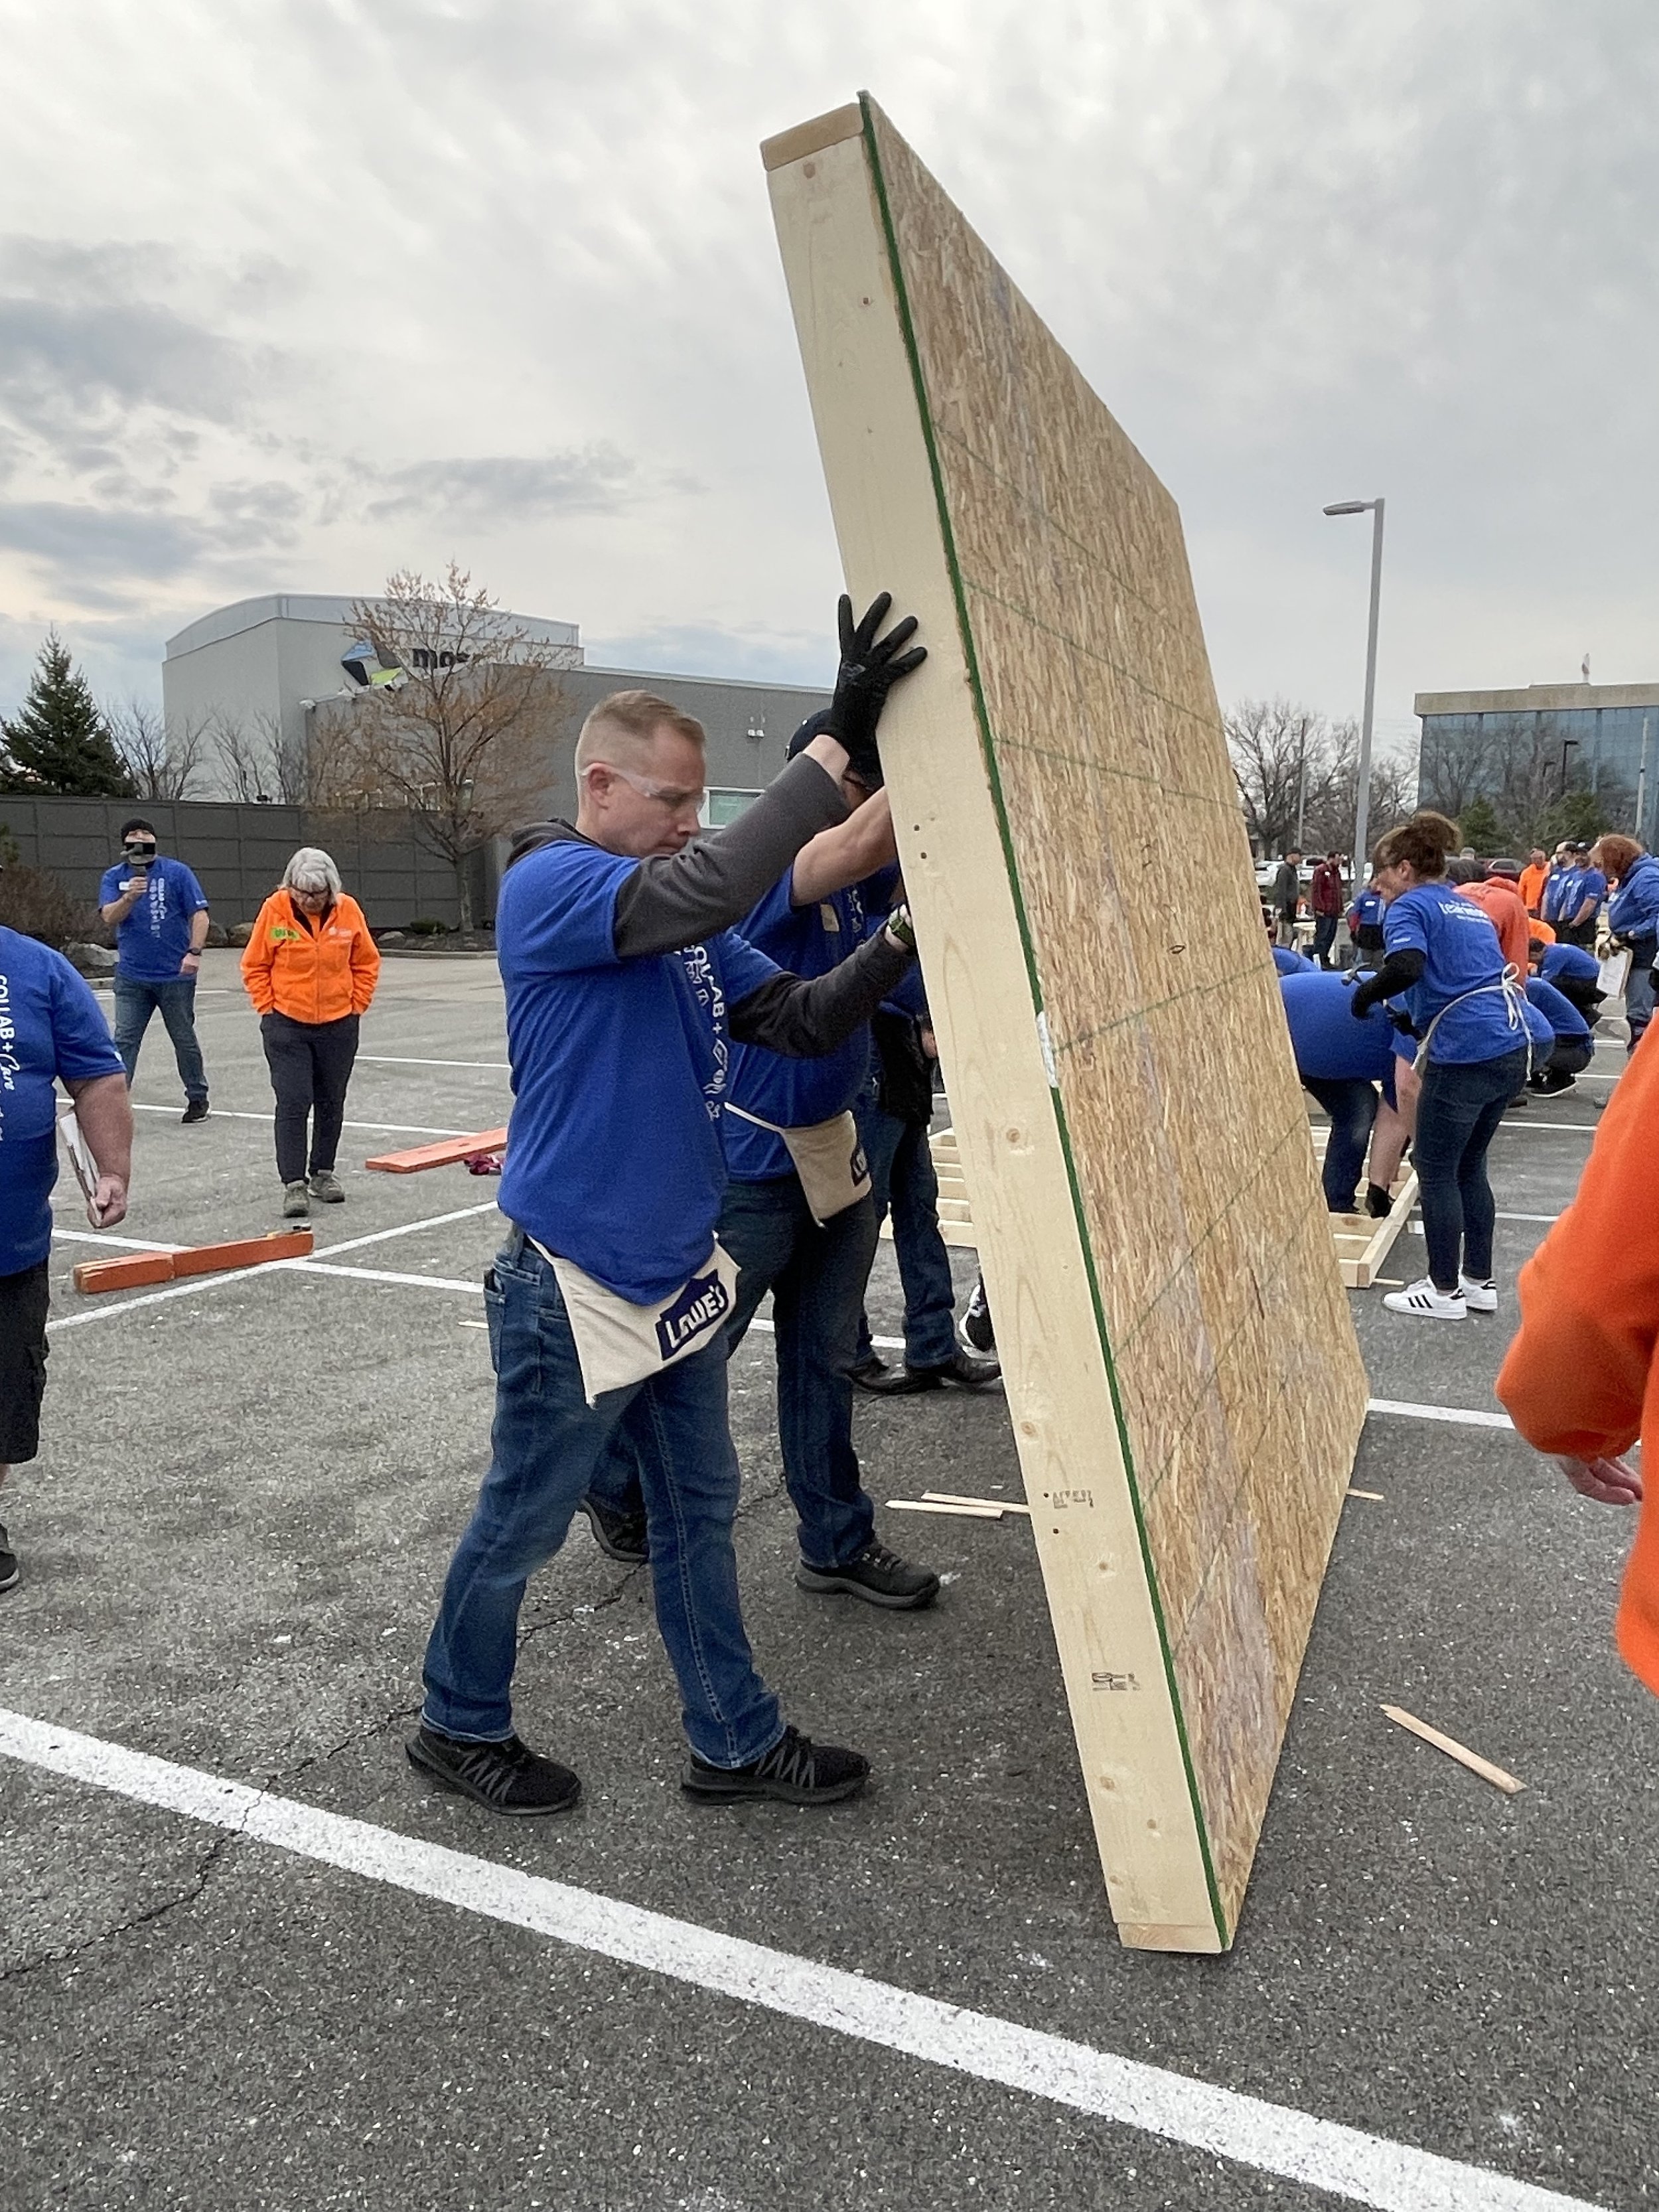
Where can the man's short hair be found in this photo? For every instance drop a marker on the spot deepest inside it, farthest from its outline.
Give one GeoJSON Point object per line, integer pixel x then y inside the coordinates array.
{"type": "Point", "coordinates": [629, 721]}
{"type": "Point", "coordinates": [136, 822]}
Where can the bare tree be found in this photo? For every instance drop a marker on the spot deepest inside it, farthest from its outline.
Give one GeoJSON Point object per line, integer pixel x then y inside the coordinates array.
{"type": "Point", "coordinates": [465, 738]}
{"type": "Point", "coordinates": [1460, 760]}
{"type": "Point", "coordinates": [164, 759]}
{"type": "Point", "coordinates": [249, 751]}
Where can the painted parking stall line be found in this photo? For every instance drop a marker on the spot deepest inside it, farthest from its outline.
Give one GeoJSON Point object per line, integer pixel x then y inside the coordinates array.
{"type": "Point", "coordinates": [1276, 2139]}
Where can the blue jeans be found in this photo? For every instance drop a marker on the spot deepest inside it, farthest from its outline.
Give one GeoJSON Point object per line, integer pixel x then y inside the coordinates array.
{"type": "Point", "coordinates": [1638, 991]}
{"type": "Point", "coordinates": [816, 1278]}
{"type": "Point", "coordinates": [547, 1440]}
{"type": "Point", "coordinates": [902, 1182]}
{"type": "Point", "coordinates": [136, 1001]}
{"type": "Point", "coordinates": [1458, 1113]}
{"type": "Point", "coordinates": [1324, 937]}
{"type": "Point", "coordinates": [1351, 1104]}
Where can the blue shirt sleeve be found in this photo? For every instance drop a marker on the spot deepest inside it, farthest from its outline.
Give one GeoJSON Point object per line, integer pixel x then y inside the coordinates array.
{"type": "Point", "coordinates": [81, 1042]}
{"type": "Point", "coordinates": [109, 888]}
{"type": "Point", "coordinates": [557, 910]}
{"type": "Point", "coordinates": [1403, 927]}
{"type": "Point", "coordinates": [192, 896]}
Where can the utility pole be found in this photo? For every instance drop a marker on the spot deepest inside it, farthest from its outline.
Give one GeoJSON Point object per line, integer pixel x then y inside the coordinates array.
{"type": "Point", "coordinates": [1363, 808]}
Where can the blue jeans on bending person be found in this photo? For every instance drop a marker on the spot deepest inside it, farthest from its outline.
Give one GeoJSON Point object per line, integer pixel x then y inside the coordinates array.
{"type": "Point", "coordinates": [136, 1001]}
{"type": "Point", "coordinates": [816, 1278]}
{"type": "Point", "coordinates": [546, 1441]}
{"type": "Point", "coordinates": [1351, 1102]}
{"type": "Point", "coordinates": [902, 1182]}
{"type": "Point", "coordinates": [1459, 1111]}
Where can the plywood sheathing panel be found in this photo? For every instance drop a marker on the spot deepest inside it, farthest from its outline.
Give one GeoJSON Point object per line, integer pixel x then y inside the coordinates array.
{"type": "Point", "coordinates": [1183, 1377]}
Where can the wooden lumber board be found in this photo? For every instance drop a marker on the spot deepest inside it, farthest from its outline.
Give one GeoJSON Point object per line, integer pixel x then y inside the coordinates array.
{"type": "Point", "coordinates": [1182, 1371]}
{"type": "Point", "coordinates": [1363, 1244]}
{"type": "Point", "coordinates": [448, 1154]}
{"type": "Point", "coordinates": [133, 1270]}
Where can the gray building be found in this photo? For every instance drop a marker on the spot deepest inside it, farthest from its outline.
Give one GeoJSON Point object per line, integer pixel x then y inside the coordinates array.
{"type": "Point", "coordinates": [260, 665]}
{"type": "Point", "coordinates": [1522, 749]}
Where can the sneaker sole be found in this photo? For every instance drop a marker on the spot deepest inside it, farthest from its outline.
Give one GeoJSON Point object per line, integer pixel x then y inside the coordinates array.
{"type": "Point", "coordinates": [778, 1793]}
{"type": "Point", "coordinates": [11, 1580]}
{"type": "Point", "coordinates": [611, 1551]}
{"type": "Point", "coordinates": [460, 1789]}
{"type": "Point", "coordinates": [329, 1197]}
{"type": "Point", "coordinates": [818, 1585]}
{"type": "Point", "coordinates": [1417, 1313]}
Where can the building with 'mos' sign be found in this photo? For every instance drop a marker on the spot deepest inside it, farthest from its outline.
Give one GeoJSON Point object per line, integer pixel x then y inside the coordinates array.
{"type": "Point", "coordinates": [1522, 749]}
{"type": "Point", "coordinates": [273, 664]}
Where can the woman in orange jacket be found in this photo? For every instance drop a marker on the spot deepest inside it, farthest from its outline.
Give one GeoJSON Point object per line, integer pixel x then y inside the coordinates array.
{"type": "Point", "coordinates": [310, 968]}
{"type": "Point", "coordinates": [1581, 1379]}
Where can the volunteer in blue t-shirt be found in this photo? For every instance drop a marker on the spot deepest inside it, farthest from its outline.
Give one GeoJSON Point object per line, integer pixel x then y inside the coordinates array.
{"type": "Point", "coordinates": [1442, 954]}
{"type": "Point", "coordinates": [626, 988]}
{"type": "Point", "coordinates": [1346, 1066]}
{"type": "Point", "coordinates": [1571, 1046]}
{"type": "Point", "coordinates": [1291, 962]}
{"type": "Point", "coordinates": [1366, 924]}
{"type": "Point", "coordinates": [1579, 905]}
{"type": "Point", "coordinates": [1633, 919]}
{"type": "Point", "coordinates": [50, 1031]}
{"type": "Point", "coordinates": [159, 916]}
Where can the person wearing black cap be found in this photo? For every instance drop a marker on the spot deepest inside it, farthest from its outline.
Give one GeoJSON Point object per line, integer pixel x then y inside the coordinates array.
{"type": "Point", "coordinates": [799, 1220]}
{"type": "Point", "coordinates": [158, 913]}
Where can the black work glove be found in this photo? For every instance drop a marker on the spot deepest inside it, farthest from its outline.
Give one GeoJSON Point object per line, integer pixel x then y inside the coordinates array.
{"type": "Point", "coordinates": [1368, 994]}
{"type": "Point", "coordinates": [869, 669]}
{"type": "Point", "coordinates": [1403, 1023]}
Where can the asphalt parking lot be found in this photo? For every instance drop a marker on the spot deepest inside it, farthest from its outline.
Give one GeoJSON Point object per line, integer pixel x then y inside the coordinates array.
{"type": "Point", "coordinates": [366, 1994]}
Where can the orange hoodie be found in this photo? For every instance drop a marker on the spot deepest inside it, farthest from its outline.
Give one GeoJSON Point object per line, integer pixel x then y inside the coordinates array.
{"type": "Point", "coordinates": [1501, 904]}
{"type": "Point", "coordinates": [1581, 1376]}
{"type": "Point", "coordinates": [310, 971]}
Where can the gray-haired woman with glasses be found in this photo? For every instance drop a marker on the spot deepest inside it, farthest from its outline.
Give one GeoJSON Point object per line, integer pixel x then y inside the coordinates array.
{"type": "Point", "coordinates": [310, 968]}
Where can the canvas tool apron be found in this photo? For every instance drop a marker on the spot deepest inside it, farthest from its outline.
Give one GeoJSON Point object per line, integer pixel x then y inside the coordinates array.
{"type": "Point", "coordinates": [828, 1158]}
{"type": "Point", "coordinates": [618, 1342]}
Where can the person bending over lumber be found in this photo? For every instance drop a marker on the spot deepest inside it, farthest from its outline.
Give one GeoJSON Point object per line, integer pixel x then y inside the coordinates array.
{"type": "Point", "coordinates": [1581, 1381]}
{"type": "Point", "coordinates": [608, 1305]}
{"type": "Point", "coordinates": [1347, 1067]}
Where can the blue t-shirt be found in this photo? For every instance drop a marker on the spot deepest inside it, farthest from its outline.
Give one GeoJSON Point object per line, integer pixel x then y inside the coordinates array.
{"type": "Point", "coordinates": [50, 1025]}
{"type": "Point", "coordinates": [1633, 914]}
{"type": "Point", "coordinates": [619, 1072]}
{"type": "Point", "coordinates": [1366, 912]}
{"type": "Point", "coordinates": [1562, 895]}
{"type": "Point", "coordinates": [1294, 964]}
{"type": "Point", "coordinates": [1563, 1017]}
{"type": "Point", "coordinates": [1571, 961]}
{"type": "Point", "coordinates": [1463, 957]}
{"type": "Point", "coordinates": [791, 1093]}
{"type": "Point", "coordinates": [150, 945]}
{"type": "Point", "coordinates": [1330, 1045]}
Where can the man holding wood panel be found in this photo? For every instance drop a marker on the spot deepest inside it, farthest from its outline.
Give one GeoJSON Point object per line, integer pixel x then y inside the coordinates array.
{"type": "Point", "coordinates": [627, 986]}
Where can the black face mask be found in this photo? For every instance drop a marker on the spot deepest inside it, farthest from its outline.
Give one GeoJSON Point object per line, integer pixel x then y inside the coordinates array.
{"type": "Point", "coordinates": [139, 853]}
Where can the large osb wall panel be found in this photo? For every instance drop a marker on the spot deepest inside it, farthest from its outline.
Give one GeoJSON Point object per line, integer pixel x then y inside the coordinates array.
{"type": "Point", "coordinates": [1080, 708]}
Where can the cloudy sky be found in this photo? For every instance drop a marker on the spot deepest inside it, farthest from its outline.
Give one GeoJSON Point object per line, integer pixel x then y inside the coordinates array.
{"type": "Point", "coordinates": [295, 292]}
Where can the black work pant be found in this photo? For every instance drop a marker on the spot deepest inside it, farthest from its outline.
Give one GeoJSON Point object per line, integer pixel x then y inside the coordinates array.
{"type": "Point", "coordinates": [310, 1066]}
{"type": "Point", "coordinates": [22, 1362]}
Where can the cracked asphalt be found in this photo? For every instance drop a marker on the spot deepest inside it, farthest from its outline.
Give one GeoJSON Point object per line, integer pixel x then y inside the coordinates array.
{"type": "Point", "coordinates": [232, 1545]}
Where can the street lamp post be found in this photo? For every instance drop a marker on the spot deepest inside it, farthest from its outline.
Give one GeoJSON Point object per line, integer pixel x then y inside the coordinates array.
{"type": "Point", "coordinates": [1362, 810]}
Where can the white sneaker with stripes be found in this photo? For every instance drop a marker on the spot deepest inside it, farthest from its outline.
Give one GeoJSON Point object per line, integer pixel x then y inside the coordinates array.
{"type": "Point", "coordinates": [1479, 1298]}
{"type": "Point", "coordinates": [1422, 1300]}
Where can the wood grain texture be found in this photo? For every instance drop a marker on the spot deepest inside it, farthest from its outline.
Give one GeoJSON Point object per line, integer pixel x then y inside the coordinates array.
{"type": "Point", "coordinates": [1183, 1376]}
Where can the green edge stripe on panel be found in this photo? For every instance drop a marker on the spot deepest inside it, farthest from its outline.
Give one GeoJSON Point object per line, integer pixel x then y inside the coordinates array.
{"type": "Point", "coordinates": [913, 352]}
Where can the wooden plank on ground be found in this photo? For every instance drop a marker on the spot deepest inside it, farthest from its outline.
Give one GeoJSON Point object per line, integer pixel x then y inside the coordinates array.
{"type": "Point", "coordinates": [1182, 1371]}
{"type": "Point", "coordinates": [448, 1154]}
{"type": "Point", "coordinates": [133, 1270]}
{"type": "Point", "coordinates": [1460, 1751]}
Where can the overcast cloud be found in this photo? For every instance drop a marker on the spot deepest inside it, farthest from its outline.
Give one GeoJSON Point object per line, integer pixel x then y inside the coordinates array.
{"type": "Point", "coordinates": [301, 291]}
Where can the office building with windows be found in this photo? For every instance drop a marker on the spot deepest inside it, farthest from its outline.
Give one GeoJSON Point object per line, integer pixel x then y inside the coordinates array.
{"type": "Point", "coordinates": [1520, 749]}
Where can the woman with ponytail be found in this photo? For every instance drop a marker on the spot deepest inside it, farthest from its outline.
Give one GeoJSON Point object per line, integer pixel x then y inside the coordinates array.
{"type": "Point", "coordinates": [1442, 957]}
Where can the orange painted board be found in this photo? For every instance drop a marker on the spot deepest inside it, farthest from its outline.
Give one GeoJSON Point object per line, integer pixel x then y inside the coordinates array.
{"type": "Point", "coordinates": [133, 1271]}
{"type": "Point", "coordinates": [449, 1154]}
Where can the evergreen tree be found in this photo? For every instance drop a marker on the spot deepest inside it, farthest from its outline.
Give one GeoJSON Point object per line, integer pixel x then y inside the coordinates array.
{"type": "Point", "coordinates": [58, 746]}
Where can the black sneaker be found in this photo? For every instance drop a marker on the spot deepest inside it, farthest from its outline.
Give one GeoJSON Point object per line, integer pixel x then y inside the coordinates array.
{"type": "Point", "coordinates": [875, 1574]}
{"type": "Point", "coordinates": [620, 1536]}
{"type": "Point", "coordinates": [795, 1771]}
{"type": "Point", "coordinates": [976, 1331]}
{"type": "Point", "coordinates": [509, 1777]}
{"type": "Point", "coordinates": [867, 1373]}
{"type": "Point", "coordinates": [961, 1369]}
{"type": "Point", "coordinates": [1378, 1204]}
{"type": "Point", "coordinates": [9, 1570]}
{"type": "Point", "coordinates": [197, 1110]}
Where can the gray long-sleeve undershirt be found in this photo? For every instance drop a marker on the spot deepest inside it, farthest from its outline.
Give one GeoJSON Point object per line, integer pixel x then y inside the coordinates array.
{"type": "Point", "coordinates": [803, 1020]}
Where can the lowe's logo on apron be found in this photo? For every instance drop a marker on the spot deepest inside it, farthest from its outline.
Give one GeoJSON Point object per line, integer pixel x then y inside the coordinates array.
{"type": "Point", "coordinates": [704, 1301]}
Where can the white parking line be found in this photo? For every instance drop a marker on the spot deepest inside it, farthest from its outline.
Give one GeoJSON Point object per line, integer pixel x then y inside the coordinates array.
{"type": "Point", "coordinates": [1469, 1417]}
{"type": "Point", "coordinates": [399, 1060]}
{"type": "Point", "coordinates": [1276, 2139]}
{"type": "Point", "coordinates": [384, 1275]}
{"type": "Point", "coordinates": [381, 1128]}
